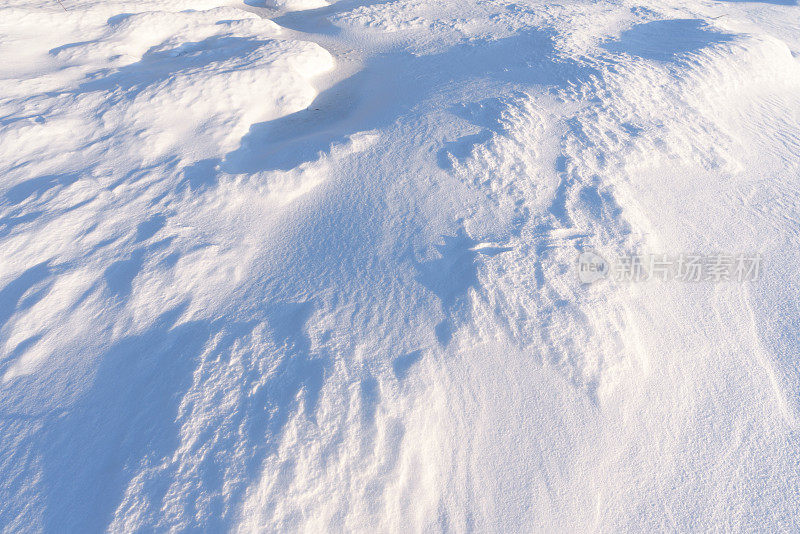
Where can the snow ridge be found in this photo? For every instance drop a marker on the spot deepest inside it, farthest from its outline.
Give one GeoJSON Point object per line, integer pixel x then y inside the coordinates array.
{"type": "Point", "coordinates": [310, 266]}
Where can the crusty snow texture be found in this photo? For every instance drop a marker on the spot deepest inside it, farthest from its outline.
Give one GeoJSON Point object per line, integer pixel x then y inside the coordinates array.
{"type": "Point", "coordinates": [308, 266]}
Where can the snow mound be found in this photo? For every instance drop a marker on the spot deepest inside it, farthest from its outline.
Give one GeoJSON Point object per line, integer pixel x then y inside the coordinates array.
{"type": "Point", "coordinates": [318, 273]}
{"type": "Point", "coordinates": [296, 5]}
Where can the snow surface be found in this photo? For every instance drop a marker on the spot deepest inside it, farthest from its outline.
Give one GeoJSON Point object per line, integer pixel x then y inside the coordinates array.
{"type": "Point", "coordinates": [308, 266]}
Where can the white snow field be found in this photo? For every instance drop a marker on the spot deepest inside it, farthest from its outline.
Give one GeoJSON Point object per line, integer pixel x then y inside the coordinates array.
{"type": "Point", "coordinates": [310, 266]}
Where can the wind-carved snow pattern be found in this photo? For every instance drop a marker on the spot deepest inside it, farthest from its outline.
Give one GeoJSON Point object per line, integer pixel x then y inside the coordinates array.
{"type": "Point", "coordinates": [600, 148]}
{"type": "Point", "coordinates": [140, 110]}
{"type": "Point", "coordinates": [309, 266]}
{"type": "Point", "coordinates": [143, 77]}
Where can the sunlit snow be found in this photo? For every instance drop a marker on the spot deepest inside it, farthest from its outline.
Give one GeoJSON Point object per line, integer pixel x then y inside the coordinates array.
{"type": "Point", "coordinates": [315, 266]}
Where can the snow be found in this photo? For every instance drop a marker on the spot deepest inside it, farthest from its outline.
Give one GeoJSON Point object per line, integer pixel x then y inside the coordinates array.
{"type": "Point", "coordinates": [311, 266]}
